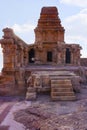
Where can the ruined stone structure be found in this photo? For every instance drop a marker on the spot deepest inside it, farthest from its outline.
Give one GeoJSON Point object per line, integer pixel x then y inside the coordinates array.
{"type": "Point", "coordinates": [32, 68]}
{"type": "Point", "coordinates": [49, 44]}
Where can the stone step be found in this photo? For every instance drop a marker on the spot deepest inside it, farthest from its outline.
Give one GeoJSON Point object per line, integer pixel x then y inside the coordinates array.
{"type": "Point", "coordinates": [31, 96]}
{"type": "Point", "coordinates": [62, 81]}
{"type": "Point", "coordinates": [54, 77]}
{"type": "Point", "coordinates": [31, 89]}
{"type": "Point", "coordinates": [31, 93]}
{"type": "Point", "coordinates": [62, 94]}
{"type": "Point", "coordinates": [62, 89]}
{"type": "Point", "coordinates": [43, 89]}
{"type": "Point", "coordinates": [63, 98]}
{"type": "Point", "coordinates": [61, 85]}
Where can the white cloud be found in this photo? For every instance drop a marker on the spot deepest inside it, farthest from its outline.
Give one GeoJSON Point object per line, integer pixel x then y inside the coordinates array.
{"type": "Point", "coordinates": [76, 29]}
{"type": "Point", "coordinates": [81, 3]}
{"type": "Point", "coordinates": [25, 31]}
{"type": "Point", "coordinates": [23, 28]}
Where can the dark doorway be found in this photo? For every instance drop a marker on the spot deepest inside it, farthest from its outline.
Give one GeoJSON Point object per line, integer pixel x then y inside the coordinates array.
{"type": "Point", "coordinates": [49, 56]}
{"type": "Point", "coordinates": [68, 56]}
{"type": "Point", "coordinates": [32, 56]}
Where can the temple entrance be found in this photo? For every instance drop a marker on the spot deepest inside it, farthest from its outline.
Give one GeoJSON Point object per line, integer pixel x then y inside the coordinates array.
{"type": "Point", "coordinates": [32, 56]}
{"type": "Point", "coordinates": [49, 56]}
{"type": "Point", "coordinates": [68, 56]}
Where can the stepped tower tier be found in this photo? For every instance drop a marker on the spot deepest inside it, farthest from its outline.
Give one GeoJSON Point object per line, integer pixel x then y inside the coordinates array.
{"type": "Point", "coordinates": [49, 28]}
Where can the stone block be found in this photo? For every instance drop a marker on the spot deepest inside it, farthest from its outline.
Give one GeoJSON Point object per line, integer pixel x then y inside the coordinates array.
{"type": "Point", "coordinates": [61, 85]}
{"type": "Point", "coordinates": [62, 94]}
{"type": "Point", "coordinates": [31, 96]}
{"type": "Point", "coordinates": [61, 89]}
{"type": "Point", "coordinates": [63, 98]}
{"type": "Point", "coordinates": [61, 81]}
{"type": "Point", "coordinates": [31, 89]}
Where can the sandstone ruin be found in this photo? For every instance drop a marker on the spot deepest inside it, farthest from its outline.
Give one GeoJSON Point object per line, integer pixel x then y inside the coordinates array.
{"type": "Point", "coordinates": [48, 65]}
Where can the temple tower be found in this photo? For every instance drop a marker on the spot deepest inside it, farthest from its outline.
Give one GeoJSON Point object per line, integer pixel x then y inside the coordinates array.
{"type": "Point", "coordinates": [49, 28]}
{"type": "Point", "coordinates": [22, 61]}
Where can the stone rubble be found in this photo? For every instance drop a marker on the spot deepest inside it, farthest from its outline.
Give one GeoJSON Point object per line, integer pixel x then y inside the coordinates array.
{"type": "Point", "coordinates": [59, 115]}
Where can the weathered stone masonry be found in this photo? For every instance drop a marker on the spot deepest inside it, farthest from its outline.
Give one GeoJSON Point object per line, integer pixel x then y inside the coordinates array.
{"type": "Point", "coordinates": [49, 49]}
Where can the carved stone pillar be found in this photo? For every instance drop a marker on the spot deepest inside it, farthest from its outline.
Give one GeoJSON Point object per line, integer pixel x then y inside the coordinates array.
{"type": "Point", "coordinates": [64, 56]}
{"type": "Point", "coordinates": [59, 58]}
{"type": "Point", "coordinates": [18, 56]}
{"type": "Point", "coordinates": [9, 49]}
{"type": "Point", "coordinates": [25, 56]}
{"type": "Point", "coordinates": [60, 54]}
{"type": "Point", "coordinates": [38, 52]}
{"type": "Point", "coordinates": [76, 55]}
{"type": "Point", "coordinates": [55, 55]}
{"type": "Point", "coordinates": [72, 57]}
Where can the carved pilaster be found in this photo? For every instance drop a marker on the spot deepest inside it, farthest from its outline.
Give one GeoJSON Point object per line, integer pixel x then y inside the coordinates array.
{"type": "Point", "coordinates": [21, 56]}
{"type": "Point", "coordinates": [61, 54]}
{"type": "Point", "coordinates": [55, 55]}
{"type": "Point", "coordinates": [25, 56]}
{"type": "Point", "coordinates": [8, 53]}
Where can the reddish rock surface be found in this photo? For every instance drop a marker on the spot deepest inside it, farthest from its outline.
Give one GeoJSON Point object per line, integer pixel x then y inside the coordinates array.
{"type": "Point", "coordinates": [44, 114]}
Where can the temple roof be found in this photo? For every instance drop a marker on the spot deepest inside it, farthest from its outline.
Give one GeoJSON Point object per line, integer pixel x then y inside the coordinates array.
{"type": "Point", "coordinates": [49, 18]}
{"type": "Point", "coordinates": [49, 10]}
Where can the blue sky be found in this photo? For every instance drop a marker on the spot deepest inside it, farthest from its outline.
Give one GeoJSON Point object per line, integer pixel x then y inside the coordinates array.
{"type": "Point", "coordinates": [22, 16]}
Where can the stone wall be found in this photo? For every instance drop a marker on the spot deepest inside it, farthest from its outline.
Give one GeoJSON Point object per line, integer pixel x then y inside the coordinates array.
{"type": "Point", "coordinates": [49, 48]}
{"type": "Point", "coordinates": [83, 62]}
{"type": "Point", "coordinates": [15, 57]}
{"type": "Point", "coordinates": [15, 51]}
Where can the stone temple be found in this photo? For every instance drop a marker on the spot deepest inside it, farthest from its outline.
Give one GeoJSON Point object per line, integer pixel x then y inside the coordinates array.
{"type": "Point", "coordinates": [48, 65]}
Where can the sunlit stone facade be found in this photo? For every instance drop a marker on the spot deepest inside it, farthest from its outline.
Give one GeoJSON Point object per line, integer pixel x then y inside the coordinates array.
{"type": "Point", "coordinates": [49, 48]}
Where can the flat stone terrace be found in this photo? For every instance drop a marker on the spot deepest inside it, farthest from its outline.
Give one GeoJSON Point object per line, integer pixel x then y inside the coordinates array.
{"type": "Point", "coordinates": [8, 105]}
{"type": "Point", "coordinates": [52, 67]}
{"type": "Point", "coordinates": [64, 114]}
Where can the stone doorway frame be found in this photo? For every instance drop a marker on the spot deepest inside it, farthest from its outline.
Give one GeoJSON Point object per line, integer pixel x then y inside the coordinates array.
{"type": "Point", "coordinates": [68, 56]}
{"type": "Point", "coordinates": [31, 55]}
{"type": "Point", "coordinates": [49, 56]}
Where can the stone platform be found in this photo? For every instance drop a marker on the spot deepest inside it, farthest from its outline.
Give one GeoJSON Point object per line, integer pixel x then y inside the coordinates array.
{"type": "Point", "coordinates": [53, 79]}
{"type": "Point", "coordinates": [61, 115]}
{"type": "Point", "coordinates": [41, 76]}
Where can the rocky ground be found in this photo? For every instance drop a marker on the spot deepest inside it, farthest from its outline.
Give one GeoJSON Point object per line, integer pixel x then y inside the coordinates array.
{"type": "Point", "coordinates": [44, 114]}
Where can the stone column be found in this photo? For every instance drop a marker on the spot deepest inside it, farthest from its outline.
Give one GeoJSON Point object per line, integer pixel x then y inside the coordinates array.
{"type": "Point", "coordinates": [64, 56]}
{"type": "Point", "coordinates": [55, 55]}
{"type": "Point", "coordinates": [59, 58]}
{"type": "Point", "coordinates": [25, 56]}
{"type": "Point", "coordinates": [18, 56]}
{"type": "Point", "coordinates": [21, 52]}
{"type": "Point", "coordinates": [38, 52]}
{"type": "Point", "coordinates": [59, 48]}
{"type": "Point", "coordinates": [71, 50]}
{"type": "Point", "coordinates": [9, 50]}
